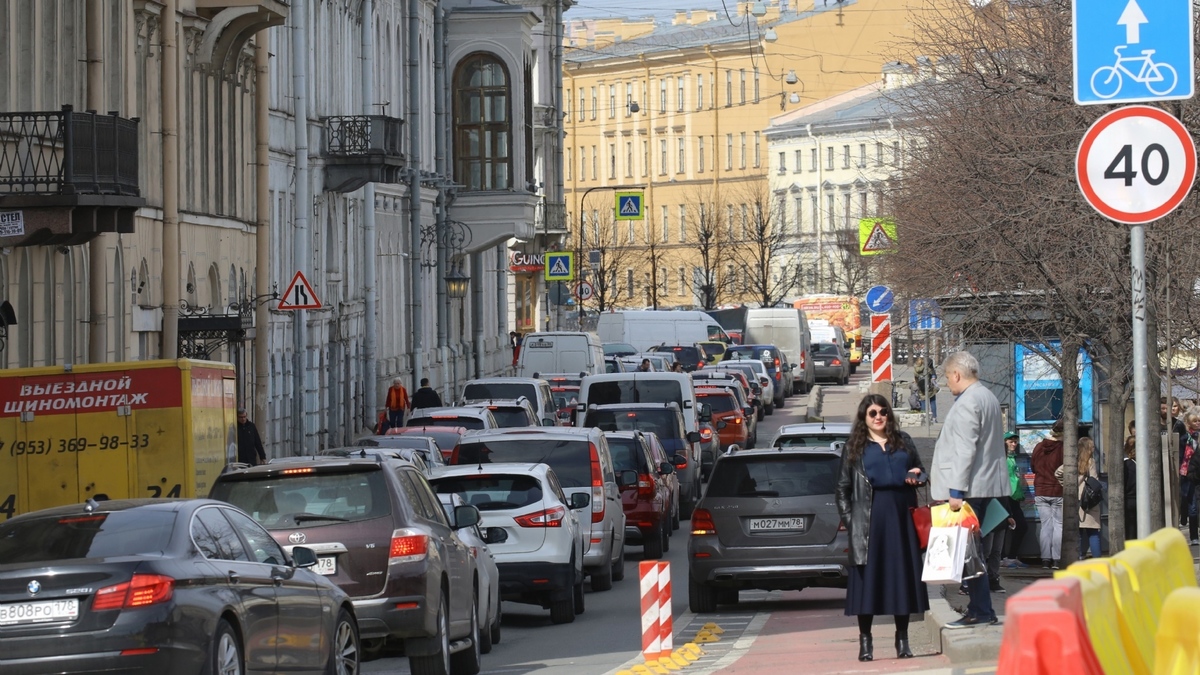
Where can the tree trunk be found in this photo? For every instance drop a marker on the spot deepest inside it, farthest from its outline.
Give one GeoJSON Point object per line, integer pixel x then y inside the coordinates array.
{"type": "Point", "coordinates": [1070, 417]}
{"type": "Point", "coordinates": [1114, 439]}
{"type": "Point", "coordinates": [1153, 462]}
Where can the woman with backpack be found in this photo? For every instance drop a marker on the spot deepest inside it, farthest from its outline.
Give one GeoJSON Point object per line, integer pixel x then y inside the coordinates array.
{"type": "Point", "coordinates": [1089, 519]}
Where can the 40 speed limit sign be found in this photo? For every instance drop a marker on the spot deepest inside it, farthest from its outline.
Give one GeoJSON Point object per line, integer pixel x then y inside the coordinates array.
{"type": "Point", "coordinates": [1136, 164]}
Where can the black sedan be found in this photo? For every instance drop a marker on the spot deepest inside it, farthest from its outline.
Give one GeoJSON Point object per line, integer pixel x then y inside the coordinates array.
{"type": "Point", "coordinates": [164, 586]}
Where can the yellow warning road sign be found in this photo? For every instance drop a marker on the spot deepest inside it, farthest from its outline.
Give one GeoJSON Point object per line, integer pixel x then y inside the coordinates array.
{"type": "Point", "coordinates": [876, 235]}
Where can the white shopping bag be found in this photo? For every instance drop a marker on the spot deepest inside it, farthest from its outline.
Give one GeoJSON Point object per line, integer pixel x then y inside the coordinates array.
{"type": "Point", "coordinates": [945, 555]}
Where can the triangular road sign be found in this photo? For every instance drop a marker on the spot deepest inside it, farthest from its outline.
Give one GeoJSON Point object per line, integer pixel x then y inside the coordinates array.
{"type": "Point", "coordinates": [559, 268]}
{"type": "Point", "coordinates": [299, 295]}
{"type": "Point", "coordinates": [878, 240]}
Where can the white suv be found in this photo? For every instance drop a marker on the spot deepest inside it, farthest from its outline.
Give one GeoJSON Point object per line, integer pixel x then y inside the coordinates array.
{"type": "Point", "coordinates": [531, 526]}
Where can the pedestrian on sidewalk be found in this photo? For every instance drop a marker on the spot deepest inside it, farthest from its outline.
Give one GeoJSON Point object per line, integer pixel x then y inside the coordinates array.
{"type": "Point", "coordinates": [1014, 504]}
{"type": "Point", "coordinates": [925, 375]}
{"type": "Point", "coordinates": [425, 396]}
{"type": "Point", "coordinates": [1048, 495]}
{"type": "Point", "coordinates": [1189, 441]}
{"type": "Point", "coordinates": [876, 488]}
{"type": "Point", "coordinates": [397, 403]}
{"type": "Point", "coordinates": [969, 465]}
{"type": "Point", "coordinates": [515, 339]}
{"type": "Point", "coordinates": [250, 447]}
{"type": "Point", "coordinates": [1130, 469]}
{"type": "Point", "coordinates": [1089, 520]}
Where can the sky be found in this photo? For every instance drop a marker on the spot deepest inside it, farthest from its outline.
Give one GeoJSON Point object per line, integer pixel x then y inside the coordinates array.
{"type": "Point", "coordinates": [587, 9]}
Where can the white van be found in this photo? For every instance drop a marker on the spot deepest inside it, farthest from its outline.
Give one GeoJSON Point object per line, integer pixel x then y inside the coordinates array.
{"type": "Point", "coordinates": [786, 328]}
{"type": "Point", "coordinates": [823, 331]}
{"type": "Point", "coordinates": [560, 352]}
{"type": "Point", "coordinates": [646, 328]}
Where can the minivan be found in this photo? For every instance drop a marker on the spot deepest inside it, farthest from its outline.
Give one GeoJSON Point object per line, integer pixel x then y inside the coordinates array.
{"type": "Point", "coordinates": [560, 352]}
{"type": "Point", "coordinates": [788, 329]}
{"type": "Point", "coordinates": [645, 328]}
{"type": "Point", "coordinates": [536, 390]}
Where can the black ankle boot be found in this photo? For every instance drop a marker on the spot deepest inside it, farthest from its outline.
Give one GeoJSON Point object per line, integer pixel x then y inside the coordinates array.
{"type": "Point", "coordinates": [864, 648]}
{"type": "Point", "coordinates": [902, 649]}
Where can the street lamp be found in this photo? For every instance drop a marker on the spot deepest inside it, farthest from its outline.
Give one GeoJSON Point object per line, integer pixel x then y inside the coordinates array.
{"type": "Point", "coordinates": [457, 283]}
{"type": "Point", "coordinates": [582, 203]}
{"type": "Point", "coordinates": [770, 35]}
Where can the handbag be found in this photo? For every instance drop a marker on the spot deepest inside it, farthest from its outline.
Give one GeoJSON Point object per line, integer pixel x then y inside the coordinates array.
{"type": "Point", "coordinates": [922, 519]}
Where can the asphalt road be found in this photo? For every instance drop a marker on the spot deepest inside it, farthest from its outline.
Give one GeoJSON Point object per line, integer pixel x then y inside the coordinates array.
{"type": "Point", "coordinates": [608, 634]}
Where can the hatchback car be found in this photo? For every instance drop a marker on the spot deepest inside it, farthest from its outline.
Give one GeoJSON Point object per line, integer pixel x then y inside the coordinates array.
{"type": "Point", "coordinates": [424, 446]}
{"type": "Point", "coordinates": [536, 390]}
{"type": "Point", "coordinates": [831, 362]}
{"type": "Point", "coordinates": [658, 455]}
{"type": "Point", "coordinates": [692, 357]}
{"type": "Point", "coordinates": [768, 520]}
{"type": "Point", "coordinates": [460, 416]}
{"type": "Point", "coordinates": [755, 371]}
{"type": "Point", "coordinates": [381, 535]}
{"type": "Point", "coordinates": [512, 413]}
{"type": "Point", "coordinates": [811, 435]}
{"type": "Point", "coordinates": [532, 527]}
{"type": "Point", "coordinates": [646, 500]}
{"type": "Point", "coordinates": [732, 420]}
{"type": "Point", "coordinates": [164, 586]}
{"type": "Point", "coordinates": [447, 437]}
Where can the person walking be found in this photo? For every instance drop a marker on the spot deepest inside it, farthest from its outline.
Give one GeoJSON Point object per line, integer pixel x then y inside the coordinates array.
{"type": "Point", "coordinates": [250, 447]}
{"type": "Point", "coordinates": [1014, 504]}
{"type": "Point", "coordinates": [1189, 441]}
{"type": "Point", "coordinates": [876, 488]}
{"type": "Point", "coordinates": [1129, 466]}
{"type": "Point", "coordinates": [397, 403]}
{"type": "Point", "coordinates": [1089, 520]}
{"type": "Point", "coordinates": [1047, 459]}
{"type": "Point", "coordinates": [425, 396]}
{"type": "Point", "coordinates": [515, 339]}
{"type": "Point", "coordinates": [969, 465]}
{"type": "Point", "coordinates": [644, 366]}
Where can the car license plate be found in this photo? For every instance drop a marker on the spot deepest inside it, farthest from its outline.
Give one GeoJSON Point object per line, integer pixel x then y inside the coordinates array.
{"type": "Point", "coordinates": [39, 612]}
{"type": "Point", "coordinates": [326, 565]}
{"type": "Point", "coordinates": [796, 524]}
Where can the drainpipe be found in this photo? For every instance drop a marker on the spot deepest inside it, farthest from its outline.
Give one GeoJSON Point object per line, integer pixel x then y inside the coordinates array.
{"type": "Point", "coordinates": [370, 329]}
{"type": "Point", "coordinates": [305, 418]}
{"type": "Point", "coordinates": [414, 191]}
{"type": "Point", "coordinates": [439, 154]}
{"type": "Point", "coordinates": [477, 310]}
{"type": "Point", "coordinates": [170, 166]}
{"type": "Point", "coordinates": [262, 231]}
{"type": "Point", "coordinates": [97, 273]}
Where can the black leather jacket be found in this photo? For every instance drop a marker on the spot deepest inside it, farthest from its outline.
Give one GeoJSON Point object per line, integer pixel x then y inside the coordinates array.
{"type": "Point", "coordinates": [854, 496]}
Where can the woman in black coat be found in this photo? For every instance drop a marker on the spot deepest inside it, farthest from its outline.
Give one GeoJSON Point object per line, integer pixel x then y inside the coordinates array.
{"type": "Point", "coordinates": [876, 488]}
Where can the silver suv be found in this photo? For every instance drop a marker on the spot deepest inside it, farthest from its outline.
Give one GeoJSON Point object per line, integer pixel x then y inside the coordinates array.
{"type": "Point", "coordinates": [768, 520]}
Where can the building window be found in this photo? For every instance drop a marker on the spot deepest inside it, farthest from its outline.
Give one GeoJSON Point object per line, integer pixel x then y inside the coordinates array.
{"type": "Point", "coordinates": [700, 154]}
{"type": "Point", "coordinates": [699, 92]}
{"type": "Point", "coordinates": [612, 160]}
{"type": "Point", "coordinates": [799, 154]}
{"type": "Point", "coordinates": [628, 99]}
{"type": "Point", "coordinates": [665, 279]}
{"type": "Point", "coordinates": [682, 281]}
{"type": "Point", "coordinates": [567, 103]}
{"type": "Point", "coordinates": [662, 156]}
{"type": "Point", "coordinates": [702, 212]}
{"type": "Point", "coordinates": [645, 158]}
{"type": "Point", "coordinates": [745, 221]}
{"type": "Point", "coordinates": [728, 152]}
{"type": "Point", "coordinates": [594, 103]}
{"type": "Point", "coordinates": [596, 226]}
{"type": "Point", "coordinates": [666, 224]}
{"type": "Point", "coordinates": [729, 221]}
{"type": "Point", "coordinates": [830, 211]}
{"type": "Point", "coordinates": [862, 155]}
{"type": "Point", "coordinates": [896, 153]}
{"type": "Point", "coordinates": [569, 163]}
{"type": "Point", "coordinates": [757, 90]}
{"type": "Point", "coordinates": [812, 154]}
{"type": "Point", "coordinates": [582, 162]}
{"type": "Point", "coordinates": [679, 93]}
{"type": "Point", "coordinates": [629, 159]}
{"type": "Point", "coordinates": [728, 88]}
{"type": "Point", "coordinates": [782, 162]}
{"type": "Point", "coordinates": [662, 96]}
{"type": "Point", "coordinates": [742, 87]}
{"type": "Point", "coordinates": [612, 101]}
{"type": "Point", "coordinates": [628, 282]}
{"type": "Point", "coordinates": [482, 127]}
{"type": "Point", "coordinates": [799, 215]}
{"type": "Point", "coordinates": [781, 214]}
{"type": "Point", "coordinates": [829, 158]}
{"type": "Point", "coordinates": [816, 215]}
{"type": "Point", "coordinates": [743, 164]}
{"type": "Point", "coordinates": [682, 222]}
{"type": "Point", "coordinates": [712, 81]}
{"type": "Point", "coordinates": [630, 236]}
{"type": "Point", "coordinates": [862, 204]}
{"type": "Point", "coordinates": [582, 103]}
{"type": "Point", "coordinates": [595, 161]}
{"type": "Point", "coordinates": [845, 156]}
{"type": "Point", "coordinates": [757, 149]}
{"type": "Point", "coordinates": [682, 165]}
{"type": "Point", "coordinates": [846, 209]}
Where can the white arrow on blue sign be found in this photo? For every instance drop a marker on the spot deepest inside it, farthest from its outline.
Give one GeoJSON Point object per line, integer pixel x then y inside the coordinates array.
{"type": "Point", "coordinates": [879, 299]}
{"type": "Point", "coordinates": [1128, 51]}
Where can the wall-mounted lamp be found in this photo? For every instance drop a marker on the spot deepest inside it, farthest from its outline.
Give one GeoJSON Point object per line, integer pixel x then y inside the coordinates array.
{"type": "Point", "coordinates": [633, 107]}
{"type": "Point", "coordinates": [770, 35]}
{"type": "Point", "coordinates": [759, 9]}
{"type": "Point", "coordinates": [791, 77]}
{"type": "Point", "coordinates": [457, 283]}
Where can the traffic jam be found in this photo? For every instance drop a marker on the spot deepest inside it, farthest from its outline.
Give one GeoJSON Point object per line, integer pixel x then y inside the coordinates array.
{"type": "Point", "coordinates": [527, 489]}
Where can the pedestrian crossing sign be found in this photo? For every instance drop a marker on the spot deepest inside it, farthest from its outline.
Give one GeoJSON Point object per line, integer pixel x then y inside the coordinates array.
{"type": "Point", "coordinates": [876, 235]}
{"type": "Point", "coordinates": [560, 266]}
{"type": "Point", "coordinates": [630, 206]}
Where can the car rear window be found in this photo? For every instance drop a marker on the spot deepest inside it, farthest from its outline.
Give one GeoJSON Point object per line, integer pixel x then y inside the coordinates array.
{"type": "Point", "coordinates": [788, 476]}
{"type": "Point", "coordinates": [480, 391]}
{"type": "Point", "coordinates": [647, 388]}
{"type": "Point", "coordinates": [684, 354]}
{"type": "Point", "coordinates": [492, 492]}
{"type": "Point", "coordinates": [570, 459]}
{"type": "Point", "coordinates": [566, 398]}
{"type": "Point", "coordinates": [826, 348]}
{"type": "Point", "coordinates": [312, 499]}
{"type": "Point", "coordinates": [510, 417]}
{"type": "Point", "coordinates": [663, 422]}
{"type": "Point", "coordinates": [719, 403]}
{"type": "Point", "coordinates": [809, 440]}
{"type": "Point", "coordinates": [764, 354]}
{"type": "Point", "coordinates": [86, 535]}
{"type": "Point", "coordinates": [627, 455]}
{"type": "Point", "coordinates": [447, 421]}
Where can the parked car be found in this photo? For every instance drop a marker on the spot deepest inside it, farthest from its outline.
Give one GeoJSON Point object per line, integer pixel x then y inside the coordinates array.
{"type": "Point", "coordinates": [411, 455]}
{"type": "Point", "coordinates": [426, 446]}
{"type": "Point", "coordinates": [757, 371]}
{"type": "Point", "coordinates": [658, 455]}
{"type": "Point", "coordinates": [768, 520]}
{"type": "Point", "coordinates": [618, 349]}
{"type": "Point", "coordinates": [513, 413]}
{"type": "Point", "coordinates": [647, 499]}
{"type": "Point", "coordinates": [831, 362]}
{"type": "Point", "coordinates": [164, 586]}
{"type": "Point", "coordinates": [692, 357]}
{"type": "Point", "coordinates": [811, 435]}
{"type": "Point", "coordinates": [565, 398]}
{"type": "Point", "coordinates": [447, 437]}
{"type": "Point", "coordinates": [419, 586]}
{"type": "Point", "coordinates": [453, 416]}
{"type": "Point", "coordinates": [489, 574]}
{"type": "Point", "coordinates": [732, 420]}
{"type": "Point", "coordinates": [582, 463]}
{"type": "Point", "coordinates": [777, 367]}
{"type": "Point", "coordinates": [535, 389]}
{"type": "Point", "coordinates": [532, 527]}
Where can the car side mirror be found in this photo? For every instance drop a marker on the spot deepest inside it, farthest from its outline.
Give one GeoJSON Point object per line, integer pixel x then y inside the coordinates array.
{"type": "Point", "coordinates": [465, 515]}
{"type": "Point", "coordinates": [549, 423]}
{"type": "Point", "coordinates": [721, 425]}
{"type": "Point", "coordinates": [564, 414]}
{"type": "Point", "coordinates": [626, 478]}
{"type": "Point", "coordinates": [494, 535]}
{"type": "Point", "coordinates": [748, 410]}
{"type": "Point", "coordinates": [667, 468]}
{"type": "Point", "coordinates": [302, 556]}
{"type": "Point", "coordinates": [580, 500]}
{"type": "Point", "coordinates": [705, 413]}
{"type": "Point", "coordinates": [793, 366]}
{"type": "Point", "coordinates": [693, 437]}
{"type": "Point", "coordinates": [679, 460]}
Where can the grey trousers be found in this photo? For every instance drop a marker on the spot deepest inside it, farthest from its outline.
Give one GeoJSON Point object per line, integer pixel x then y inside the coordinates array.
{"type": "Point", "coordinates": [1050, 512]}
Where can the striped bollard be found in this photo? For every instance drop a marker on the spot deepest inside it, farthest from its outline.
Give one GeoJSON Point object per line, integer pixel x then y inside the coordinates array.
{"type": "Point", "coordinates": [666, 629]}
{"type": "Point", "coordinates": [881, 348]}
{"type": "Point", "coordinates": [648, 575]}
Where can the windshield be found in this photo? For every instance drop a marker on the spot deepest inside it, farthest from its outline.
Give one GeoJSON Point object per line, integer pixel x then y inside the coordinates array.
{"type": "Point", "coordinates": [510, 417]}
{"type": "Point", "coordinates": [87, 535]}
{"type": "Point", "coordinates": [308, 499]}
{"type": "Point", "coordinates": [764, 354]}
{"type": "Point", "coordinates": [618, 349]}
{"type": "Point", "coordinates": [809, 440]}
{"type": "Point", "coordinates": [627, 455]}
{"type": "Point", "coordinates": [720, 403]}
{"type": "Point", "coordinates": [774, 476]}
{"type": "Point", "coordinates": [642, 390]}
{"type": "Point", "coordinates": [663, 422]}
{"type": "Point", "coordinates": [826, 349]}
{"type": "Point", "coordinates": [683, 354]}
{"type": "Point", "coordinates": [480, 391]}
{"type": "Point", "coordinates": [566, 399]}
{"type": "Point", "coordinates": [492, 492]}
{"type": "Point", "coordinates": [570, 459]}
{"type": "Point", "coordinates": [447, 421]}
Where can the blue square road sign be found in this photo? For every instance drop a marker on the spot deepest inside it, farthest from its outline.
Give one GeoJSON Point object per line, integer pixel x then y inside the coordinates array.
{"type": "Point", "coordinates": [629, 206]}
{"type": "Point", "coordinates": [1132, 50]}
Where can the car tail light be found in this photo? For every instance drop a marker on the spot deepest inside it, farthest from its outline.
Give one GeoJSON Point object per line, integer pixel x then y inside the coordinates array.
{"type": "Point", "coordinates": [551, 517]}
{"type": "Point", "coordinates": [802, 360]}
{"type": "Point", "coordinates": [835, 362]}
{"type": "Point", "coordinates": [777, 362]}
{"type": "Point", "coordinates": [737, 420]}
{"type": "Point", "coordinates": [778, 375]}
{"type": "Point", "coordinates": [702, 522]}
{"type": "Point", "coordinates": [700, 364]}
{"type": "Point", "coordinates": [597, 485]}
{"type": "Point", "coordinates": [645, 485]}
{"type": "Point", "coordinates": [408, 546]}
{"type": "Point", "coordinates": [142, 590]}
{"type": "Point", "coordinates": [706, 434]}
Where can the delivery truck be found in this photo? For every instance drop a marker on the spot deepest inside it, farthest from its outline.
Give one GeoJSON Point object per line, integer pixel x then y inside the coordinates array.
{"type": "Point", "coordinates": [114, 431]}
{"type": "Point", "coordinates": [841, 311]}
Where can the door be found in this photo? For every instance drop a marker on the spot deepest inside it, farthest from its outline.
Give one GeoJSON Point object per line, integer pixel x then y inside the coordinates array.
{"type": "Point", "coordinates": [458, 555]}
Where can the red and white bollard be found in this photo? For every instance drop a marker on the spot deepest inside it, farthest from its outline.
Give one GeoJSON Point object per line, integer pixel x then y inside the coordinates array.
{"type": "Point", "coordinates": [648, 576]}
{"type": "Point", "coordinates": [666, 628]}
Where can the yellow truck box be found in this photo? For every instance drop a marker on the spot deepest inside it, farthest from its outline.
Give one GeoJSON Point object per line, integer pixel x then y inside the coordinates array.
{"type": "Point", "coordinates": [114, 431]}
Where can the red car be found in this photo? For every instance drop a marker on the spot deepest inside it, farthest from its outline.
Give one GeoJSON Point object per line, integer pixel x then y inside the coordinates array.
{"type": "Point", "coordinates": [727, 416]}
{"type": "Point", "coordinates": [646, 502]}
{"type": "Point", "coordinates": [447, 438]}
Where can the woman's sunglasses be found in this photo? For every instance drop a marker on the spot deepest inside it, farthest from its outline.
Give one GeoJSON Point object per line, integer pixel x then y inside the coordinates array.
{"type": "Point", "coordinates": [875, 412]}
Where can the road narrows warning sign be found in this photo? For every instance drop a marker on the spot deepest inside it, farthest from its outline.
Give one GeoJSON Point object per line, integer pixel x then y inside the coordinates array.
{"type": "Point", "coordinates": [299, 295]}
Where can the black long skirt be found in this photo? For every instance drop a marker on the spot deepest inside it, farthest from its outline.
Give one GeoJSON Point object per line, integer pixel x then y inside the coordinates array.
{"type": "Point", "coordinates": [890, 582]}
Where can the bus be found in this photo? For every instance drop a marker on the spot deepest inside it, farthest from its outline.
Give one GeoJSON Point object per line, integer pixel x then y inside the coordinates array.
{"type": "Point", "coordinates": [841, 311]}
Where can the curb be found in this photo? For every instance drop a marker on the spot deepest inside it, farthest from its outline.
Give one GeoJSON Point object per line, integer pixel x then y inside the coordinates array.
{"type": "Point", "coordinates": [962, 645]}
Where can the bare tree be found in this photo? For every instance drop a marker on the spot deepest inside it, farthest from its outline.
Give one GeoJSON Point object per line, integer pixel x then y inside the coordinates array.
{"type": "Point", "coordinates": [654, 255]}
{"type": "Point", "coordinates": [766, 253]}
{"type": "Point", "coordinates": [609, 278]}
{"type": "Point", "coordinates": [707, 223]}
{"type": "Point", "coordinates": [853, 272]}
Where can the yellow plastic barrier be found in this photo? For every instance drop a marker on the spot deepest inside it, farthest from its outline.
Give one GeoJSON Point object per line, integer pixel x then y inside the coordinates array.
{"type": "Point", "coordinates": [1146, 573]}
{"type": "Point", "coordinates": [1177, 555]}
{"type": "Point", "coordinates": [1104, 622]}
{"type": "Point", "coordinates": [1135, 612]}
{"type": "Point", "coordinates": [1178, 639]}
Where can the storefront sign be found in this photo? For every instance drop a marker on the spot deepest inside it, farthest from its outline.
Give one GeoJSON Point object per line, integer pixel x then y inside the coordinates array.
{"type": "Point", "coordinates": [526, 263]}
{"type": "Point", "coordinates": [12, 223]}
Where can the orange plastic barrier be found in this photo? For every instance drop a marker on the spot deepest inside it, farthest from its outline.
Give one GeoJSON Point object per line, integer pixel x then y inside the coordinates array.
{"type": "Point", "coordinates": [1105, 623]}
{"type": "Point", "coordinates": [1045, 633]}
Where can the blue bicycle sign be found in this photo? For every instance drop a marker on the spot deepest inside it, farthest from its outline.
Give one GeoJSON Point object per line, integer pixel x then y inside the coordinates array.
{"type": "Point", "coordinates": [1159, 78]}
{"type": "Point", "coordinates": [1132, 50]}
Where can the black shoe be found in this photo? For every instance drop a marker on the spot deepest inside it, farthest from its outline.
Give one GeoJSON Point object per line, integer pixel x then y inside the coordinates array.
{"type": "Point", "coordinates": [996, 587]}
{"type": "Point", "coordinates": [864, 648]}
{"type": "Point", "coordinates": [1046, 563]}
{"type": "Point", "coordinates": [902, 649]}
{"type": "Point", "coordinates": [971, 622]}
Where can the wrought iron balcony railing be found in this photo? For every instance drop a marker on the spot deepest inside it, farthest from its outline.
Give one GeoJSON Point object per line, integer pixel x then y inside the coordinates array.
{"type": "Point", "coordinates": [357, 135]}
{"type": "Point", "coordinates": [68, 152]}
{"type": "Point", "coordinates": [551, 217]}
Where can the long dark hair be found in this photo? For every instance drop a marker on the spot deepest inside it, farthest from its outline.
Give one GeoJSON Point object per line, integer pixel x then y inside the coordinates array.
{"type": "Point", "coordinates": [859, 436]}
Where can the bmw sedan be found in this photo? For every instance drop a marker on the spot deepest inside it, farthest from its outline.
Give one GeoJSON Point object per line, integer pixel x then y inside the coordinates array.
{"type": "Point", "coordinates": [164, 586]}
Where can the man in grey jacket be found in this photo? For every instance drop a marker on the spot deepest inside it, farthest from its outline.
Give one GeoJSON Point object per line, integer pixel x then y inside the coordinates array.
{"type": "Point", "coordinates": [969, 464]}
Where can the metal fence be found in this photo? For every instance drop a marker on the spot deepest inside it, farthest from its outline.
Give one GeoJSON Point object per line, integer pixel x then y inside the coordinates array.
{"type": "Point", "coordinates": [355, 135]}
{"type": "Point", "coordinates": [68, 152]}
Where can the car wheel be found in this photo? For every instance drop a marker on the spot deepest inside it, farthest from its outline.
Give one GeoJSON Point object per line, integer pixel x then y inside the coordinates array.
{"type": "Point", "coordinates": [485, 637]}
{"type": "Point", "coordinates": [467, 661]}
{"type": "Point", "coordinates": [770, 409]}
{"type": "Point", "coordinates": [759, 414]}
{"type": "Point", "coordinates": [578, 592]}
{"type": "Point", "coordinates": [618, 566]}
{"type": "Point", "coordinates": [701, 599]}
{"type": "Point", "coordinates": [346, 655]}
{"type": "Point", "coordinates": [845, 380]}
{"type": "Point", "coordinates": [437, 663]}
{"type": "Point", "coordinates": [779, 403]}
{"type": "Point", "coordinates": [602, 578]}
{"type": "Point", "coordinates": [562, 610]}
{"type": "Point", "coordinates": [652, 544]}
{"type": "Point", "coordinates": [495, 631]}
{"type": "Point", "coordinates": [675, 513]}
{"type": "Point", "coordinates": [727, 596]}
{"type": "Point", "coordinates": [666, 539]}
{"type": "Point", "coordinates": [226, 657]}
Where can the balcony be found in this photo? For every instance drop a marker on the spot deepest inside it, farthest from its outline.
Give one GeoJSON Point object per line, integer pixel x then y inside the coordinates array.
{"type": "Point", "coordinates": [67, 176]}
{"type": "Point", "coordinates": [494, 216]}
{"type": "Point", "coordinates": [231, 24]}
{"type": "Point", "coordinates": [551, 218]}
{"type": "Point", "coordinates": [361, 149]}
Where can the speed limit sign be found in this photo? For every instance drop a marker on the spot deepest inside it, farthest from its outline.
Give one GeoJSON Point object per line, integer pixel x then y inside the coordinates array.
{"type": "Point", "coordinates": [584, 291]}
{"type": "Point", "coordinates": [1136, 164]}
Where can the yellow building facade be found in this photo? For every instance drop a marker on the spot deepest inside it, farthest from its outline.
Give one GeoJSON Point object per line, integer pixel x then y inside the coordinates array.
{"type": "Point", "coordinates": [681, 111]}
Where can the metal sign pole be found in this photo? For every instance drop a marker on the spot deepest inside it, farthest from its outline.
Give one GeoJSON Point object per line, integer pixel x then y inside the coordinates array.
{"type": "Point", "coordinates": [1141, 375]}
